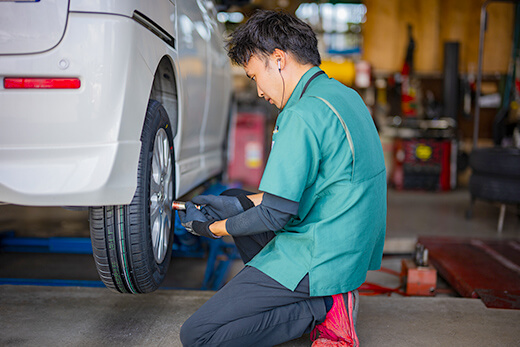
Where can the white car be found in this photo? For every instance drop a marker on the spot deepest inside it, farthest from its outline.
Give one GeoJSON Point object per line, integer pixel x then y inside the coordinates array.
{"type": "Point", "coordinates": [118, 105]}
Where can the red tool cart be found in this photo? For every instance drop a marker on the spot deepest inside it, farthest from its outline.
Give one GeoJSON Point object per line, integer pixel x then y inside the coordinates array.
{"type": "Point", "coordinates": [425, 159]}
{"type": "Point", "coordinates": [247, 154]}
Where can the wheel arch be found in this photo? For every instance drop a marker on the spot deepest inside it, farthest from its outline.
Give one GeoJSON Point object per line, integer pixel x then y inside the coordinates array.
{"type": "Point", "coordinates": [165, 90]}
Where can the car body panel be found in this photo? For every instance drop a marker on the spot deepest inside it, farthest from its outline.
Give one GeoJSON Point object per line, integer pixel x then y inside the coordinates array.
{"type": "Point", "coordinates": [29, 27]}
{"type": "Point", "coordinates": [80, 147]}
{"type": "Point", "coordinates": [161, 12]}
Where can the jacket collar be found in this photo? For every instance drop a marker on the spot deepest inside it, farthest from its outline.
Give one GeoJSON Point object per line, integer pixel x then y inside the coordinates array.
{"type": "Point", "coordinates": [295, 96]}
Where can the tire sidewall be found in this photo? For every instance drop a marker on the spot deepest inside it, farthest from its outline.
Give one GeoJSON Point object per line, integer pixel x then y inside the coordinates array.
{"type": "Point", "coordinates": [495, 188]}
{"type": "Point", "coordinates": [156, 118]}
{"type": "Point", "coordinates": [496, 161]}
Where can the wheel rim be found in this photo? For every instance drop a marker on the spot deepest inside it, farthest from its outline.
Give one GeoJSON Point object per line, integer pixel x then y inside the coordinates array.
{"type": "Point", "coordinates": [161, 195]}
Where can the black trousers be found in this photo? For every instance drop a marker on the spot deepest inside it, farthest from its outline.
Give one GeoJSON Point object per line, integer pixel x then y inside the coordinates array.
{"type": "Point", "coordinates": [253, 309]}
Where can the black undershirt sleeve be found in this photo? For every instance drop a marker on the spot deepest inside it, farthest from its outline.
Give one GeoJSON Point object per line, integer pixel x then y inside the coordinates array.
{"type": "Point", "coordinates": [271, 215]}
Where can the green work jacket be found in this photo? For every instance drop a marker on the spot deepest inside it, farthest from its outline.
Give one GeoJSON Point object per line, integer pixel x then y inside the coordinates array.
{"type": "Point", "coordinates": [337, 174]}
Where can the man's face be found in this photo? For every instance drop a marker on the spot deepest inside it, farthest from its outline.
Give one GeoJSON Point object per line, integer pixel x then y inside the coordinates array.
{"type": "Point", "coordinates": [268, 80]}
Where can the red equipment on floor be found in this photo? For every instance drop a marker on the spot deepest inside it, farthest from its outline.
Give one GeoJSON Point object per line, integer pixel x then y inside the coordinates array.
{"type": "Point", "coordinates": [417, 275]}
{"type": "Point", "coordinates": [420, 280]}
{"type": "Point", "coordinates": [489, 269]}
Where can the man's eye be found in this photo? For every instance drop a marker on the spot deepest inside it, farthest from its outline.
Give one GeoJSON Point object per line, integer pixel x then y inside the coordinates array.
{"type": "Point", "coordinates": [253, 78]}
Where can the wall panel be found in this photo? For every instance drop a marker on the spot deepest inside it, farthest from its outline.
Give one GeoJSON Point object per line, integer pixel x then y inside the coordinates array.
{"type": "Point", "coordinates": [435, 22]}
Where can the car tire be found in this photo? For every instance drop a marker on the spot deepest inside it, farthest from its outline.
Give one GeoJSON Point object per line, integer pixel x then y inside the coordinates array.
{"type": "Point", "coordinates": [132, 243]}
{"type": "Point", "coordinates": [496, 160]}
{"type": "Point", "coordinates": [495, 188]}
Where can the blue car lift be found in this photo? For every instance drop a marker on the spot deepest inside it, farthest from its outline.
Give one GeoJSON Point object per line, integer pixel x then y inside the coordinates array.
{"type": "Point", "coordinates": [219, 252]}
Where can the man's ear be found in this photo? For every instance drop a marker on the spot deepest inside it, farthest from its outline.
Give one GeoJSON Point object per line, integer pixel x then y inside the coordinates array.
{"type": "Point", "coordinates": [279, 57]}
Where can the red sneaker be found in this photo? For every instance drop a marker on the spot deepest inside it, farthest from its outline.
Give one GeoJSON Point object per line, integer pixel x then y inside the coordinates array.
{"type": "Point", "coordinates": [338, 329]}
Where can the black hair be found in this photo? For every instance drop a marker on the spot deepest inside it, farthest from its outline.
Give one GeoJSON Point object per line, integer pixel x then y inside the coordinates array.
{"type": "Point", "coordinates": [267, 30]}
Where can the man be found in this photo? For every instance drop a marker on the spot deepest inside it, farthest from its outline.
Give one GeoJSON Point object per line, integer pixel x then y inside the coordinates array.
{"type": "Point", "coordinates": [318, 226]}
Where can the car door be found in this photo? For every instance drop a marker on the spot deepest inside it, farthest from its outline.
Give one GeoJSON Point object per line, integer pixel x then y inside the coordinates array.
{"type": "Point", "coordinates": [193, 39]}
{"type": "Point", "coordinates": [219, 75]}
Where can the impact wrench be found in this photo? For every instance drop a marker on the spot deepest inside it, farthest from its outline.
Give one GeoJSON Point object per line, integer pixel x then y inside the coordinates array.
{"type": "Point", "coordinates": [181, 206]}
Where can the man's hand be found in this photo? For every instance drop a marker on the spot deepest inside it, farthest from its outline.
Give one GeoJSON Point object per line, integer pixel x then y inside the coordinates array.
{"type": "Point", "coordinates": [222, 207]}
{"type": "Point", "coordinates": [196, 222]}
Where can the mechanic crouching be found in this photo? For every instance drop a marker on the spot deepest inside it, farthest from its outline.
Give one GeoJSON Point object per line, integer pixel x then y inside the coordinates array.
{"type": "Point", "coordinates": [318, 226]}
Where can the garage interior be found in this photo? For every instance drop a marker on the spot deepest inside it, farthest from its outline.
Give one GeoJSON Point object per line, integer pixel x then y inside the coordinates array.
{"type": "Point", "coordinates": [444, 95]}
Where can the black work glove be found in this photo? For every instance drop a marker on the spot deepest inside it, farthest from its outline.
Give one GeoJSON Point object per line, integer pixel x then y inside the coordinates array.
{"type": "Point", "coordinates": [222, 207]}
{"type": "Point", "coordinates": [196, 222]}
{"type": "Point", "coordinates": [202, 229]}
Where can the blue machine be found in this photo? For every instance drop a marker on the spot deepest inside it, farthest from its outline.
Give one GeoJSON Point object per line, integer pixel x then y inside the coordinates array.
{"type": "Point", "coordinates": [220, 253]}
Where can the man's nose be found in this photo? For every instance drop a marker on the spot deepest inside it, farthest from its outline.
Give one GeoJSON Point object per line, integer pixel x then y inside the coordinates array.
{"type": "Point", "coordinates": [259, 91]}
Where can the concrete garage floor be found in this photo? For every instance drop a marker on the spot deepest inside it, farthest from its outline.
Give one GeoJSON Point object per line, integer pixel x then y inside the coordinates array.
{"type": "Point", "coordinates": [32, 315]}
{"type": "Point", "coordinates": [51, 316]}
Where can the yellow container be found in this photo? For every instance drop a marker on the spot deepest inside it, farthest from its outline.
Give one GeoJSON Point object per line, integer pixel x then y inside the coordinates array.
{"type": "Point", "coordinates": [340, 69]}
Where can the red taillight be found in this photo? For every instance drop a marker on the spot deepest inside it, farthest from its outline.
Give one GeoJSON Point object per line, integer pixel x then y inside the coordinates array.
{"type": "Point", "coordinates": [42, 83]}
